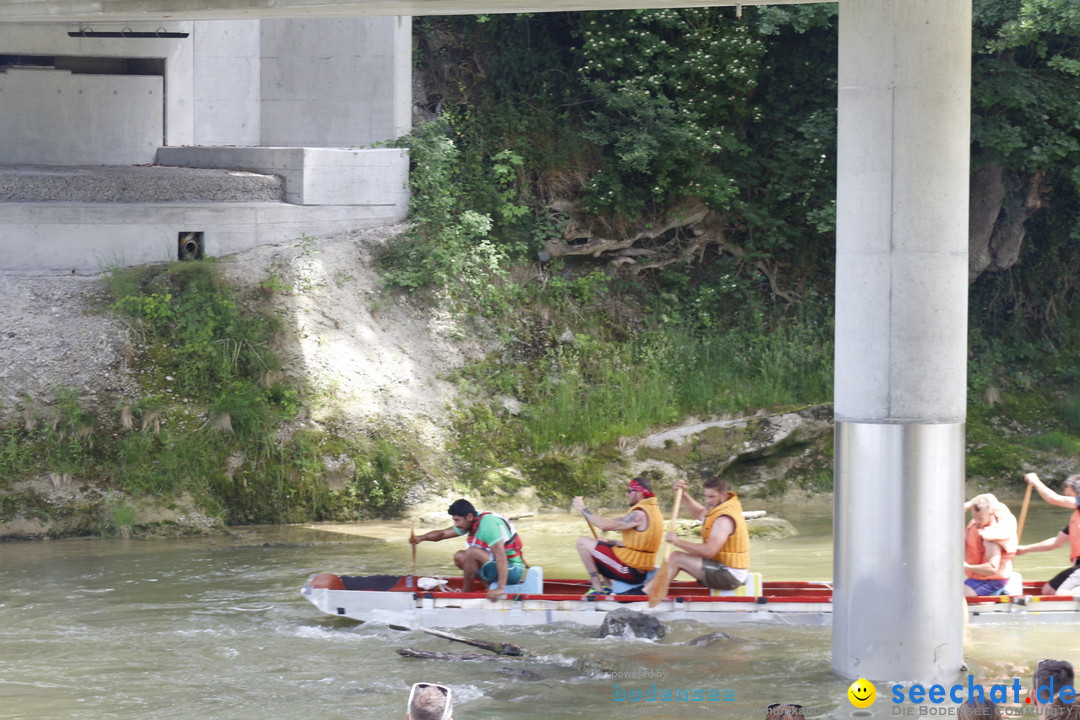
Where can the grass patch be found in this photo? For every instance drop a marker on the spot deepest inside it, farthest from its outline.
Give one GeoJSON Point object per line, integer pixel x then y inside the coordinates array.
{"type": "Point", "coordinates": [120, 521]}
{"type": "Point", "coordinates": [213, 421]}
{"type": "Point", "coordinates": [1070, 410]}
{"type": "Point", "coordinates": [1003, 436]}
{"type": "Point", "coordinates": [1055, 441]}
{"type": "Point", "coordinates": [583, 372]}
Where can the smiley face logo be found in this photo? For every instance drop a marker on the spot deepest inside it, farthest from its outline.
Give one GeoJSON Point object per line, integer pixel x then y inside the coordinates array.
{"type": "Point", "coordinates": [862, 693]}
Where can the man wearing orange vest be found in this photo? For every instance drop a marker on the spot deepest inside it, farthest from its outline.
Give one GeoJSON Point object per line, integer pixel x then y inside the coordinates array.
{"type": "Point", "coordinates": [721, 561]}
{"type": "Point", "coordinates": [493, 550]}
{"type": "Point", "coordinates": [632, 557]}
{"type": "Point", "coordinates": [1067, 581]}
{"type": "Point", "coordinates": [989, 546]}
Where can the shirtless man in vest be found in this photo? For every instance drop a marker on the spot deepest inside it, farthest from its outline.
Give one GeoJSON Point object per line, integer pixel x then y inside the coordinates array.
{"type": "Point", "coordinates": [632, 557]}
{"type": "Point", "coordinates": [721, 560]}
{"type": "Point", "coordinates": [1067, 581]}
{"type": "Point", "coordinates": [492, 548]}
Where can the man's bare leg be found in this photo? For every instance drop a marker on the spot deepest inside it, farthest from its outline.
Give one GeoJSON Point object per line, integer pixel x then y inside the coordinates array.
{"type": "Point", "coordinates": [679, 561]}
{"type": "Point", "coordinates": [585, 547]}
{"type": "Point", "coordinates": [470, 561]}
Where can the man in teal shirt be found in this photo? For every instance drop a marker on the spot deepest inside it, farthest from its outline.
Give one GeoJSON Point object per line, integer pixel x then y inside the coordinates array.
{"type": "Point", "coordinates": [492, 548]}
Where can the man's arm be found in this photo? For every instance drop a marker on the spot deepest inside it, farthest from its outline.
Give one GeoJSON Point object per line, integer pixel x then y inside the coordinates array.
{"type": "Point", "coordinates": [721, 531]}
{"type": "Point", "coordinates": [502, 566]}
{"type": "Point", "coordinates": [628, 521]}
{"type": "Point", "coordinates": [1049, 495]}
{"type": "Point", "coordinates": [1048, 544]}
{"type": "Point", "coordinates": [435, 535]}
{"type": "Point", "coordinates": [992, 563]}
{"type": "Point", "coordinates": [696, 509]}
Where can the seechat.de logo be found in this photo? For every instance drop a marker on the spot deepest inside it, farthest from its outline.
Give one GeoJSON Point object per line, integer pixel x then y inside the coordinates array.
{"type": "Point", "coordinates": [862, 693]}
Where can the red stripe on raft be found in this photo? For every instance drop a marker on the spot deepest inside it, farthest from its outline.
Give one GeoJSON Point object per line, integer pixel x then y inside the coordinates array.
{"type": "Point", "coordinates": [629, 599]}
{"type": "Point", "coordinates": [326, 580]}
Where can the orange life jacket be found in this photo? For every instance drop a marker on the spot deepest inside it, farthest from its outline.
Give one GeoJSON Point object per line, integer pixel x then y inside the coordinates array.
{"type": "Point", "coordinates": [735, 552]}
{"type": "Point", "coordinates": [975, 553]}
{"type": "Point", "coordinates": [641, 545]}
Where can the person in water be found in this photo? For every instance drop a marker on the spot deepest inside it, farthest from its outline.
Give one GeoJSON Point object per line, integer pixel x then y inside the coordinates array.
{"type": "Point", "coordinates": [493, 548]}
{"type": "Point", "coordinates": [631, 558]}
{"type": "Point", "coordinates": [1066, 582]}
{"type": "Point", "coordinates": [721, 561]}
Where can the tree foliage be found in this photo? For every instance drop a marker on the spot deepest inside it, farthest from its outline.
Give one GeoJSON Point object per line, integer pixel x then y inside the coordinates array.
{"type": "Point", "coordinates": [623, 119]}
{"type": "Point", "coordinates": [1027, 85]}
{"type": "Point", "coordinates": [670, 93]}
{"type": "Point", "coordinates": [619, 117]}
{"type": "Point", "coordinates": [1026, 118]}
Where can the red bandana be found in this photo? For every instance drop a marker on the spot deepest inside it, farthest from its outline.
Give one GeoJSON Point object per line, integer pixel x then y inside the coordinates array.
{"type": "Point", "coordinates": [635, 486]}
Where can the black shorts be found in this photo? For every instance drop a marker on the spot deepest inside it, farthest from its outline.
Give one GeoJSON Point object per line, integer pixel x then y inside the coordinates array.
{"type": "Point", "coordinates": [611, 567]}
{"type": "Point", "coordinates": [1056, 581]}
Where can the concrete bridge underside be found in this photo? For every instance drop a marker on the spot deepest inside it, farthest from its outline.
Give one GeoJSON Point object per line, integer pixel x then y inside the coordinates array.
{"type": "Point", "coordinates": [138, 10]}
{"type": "Point", "coordinates": [901, 309]}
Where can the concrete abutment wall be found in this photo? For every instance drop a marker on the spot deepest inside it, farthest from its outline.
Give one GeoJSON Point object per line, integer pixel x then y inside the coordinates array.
{"type": "Point", "coordinates": [298, 98]}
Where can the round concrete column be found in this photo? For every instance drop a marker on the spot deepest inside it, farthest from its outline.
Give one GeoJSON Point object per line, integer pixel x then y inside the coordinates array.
{"type": "Point", "coordinates": [901, 337]}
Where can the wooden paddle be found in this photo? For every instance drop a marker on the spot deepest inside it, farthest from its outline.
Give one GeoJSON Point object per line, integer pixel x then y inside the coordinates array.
{"type": "Point", "coordinates": [591, 526]}
{"type": "Point", "coordinates": [412, 537]}
{"type": "Point", "coordinates": [1023, 514]}
{"type": "Point", "coordinates": [662, 581]}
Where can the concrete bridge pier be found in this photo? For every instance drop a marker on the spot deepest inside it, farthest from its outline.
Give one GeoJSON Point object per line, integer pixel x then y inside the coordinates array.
{"type": "Point", "coordinates": [901, 337]}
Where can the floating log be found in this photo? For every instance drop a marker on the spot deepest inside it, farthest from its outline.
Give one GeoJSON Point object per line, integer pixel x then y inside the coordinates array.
{"type": "Point", "coordinates": [497, 648]}
{"type": "Point", "coordinates": [432, 655]}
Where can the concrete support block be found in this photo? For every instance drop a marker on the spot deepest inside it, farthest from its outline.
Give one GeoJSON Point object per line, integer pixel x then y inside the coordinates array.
{"type": "Point", "coordinates": [314, 176]}
{"type": "Point", "coordinates": [348, 177]}
{"type": "Point", "coordinates": [87, 239]}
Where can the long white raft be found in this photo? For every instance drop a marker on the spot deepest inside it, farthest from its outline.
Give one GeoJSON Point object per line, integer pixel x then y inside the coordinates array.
{"type": "Point", "coordinates": [400, 601]}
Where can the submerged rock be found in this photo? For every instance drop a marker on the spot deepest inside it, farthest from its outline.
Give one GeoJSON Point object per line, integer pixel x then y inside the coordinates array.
{"type": "Point", "coordinates": [710, 639]}
{"type": "Point", "coordinates": [518, 673]}
{"type": "Point", "coordinates": [592, 664]}
{"type": "Point", "coordinates": [630, 623]}
{"type": "Point", "coordinates": [770, 527]}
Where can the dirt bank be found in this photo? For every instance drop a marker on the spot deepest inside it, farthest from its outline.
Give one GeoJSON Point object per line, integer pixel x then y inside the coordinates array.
{"type": "Point", "coordinates": [374, 361]}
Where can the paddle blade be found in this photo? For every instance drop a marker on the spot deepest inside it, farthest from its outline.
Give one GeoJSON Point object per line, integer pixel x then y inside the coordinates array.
{"type": "Point", "coordinates": [412, 537]}
{"type": "Point", "coordinates": [660, 585]}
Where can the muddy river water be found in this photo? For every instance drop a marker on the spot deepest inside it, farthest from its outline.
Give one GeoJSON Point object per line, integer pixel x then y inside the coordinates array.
{"type": "Point", "coordinates": [216, 629]}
